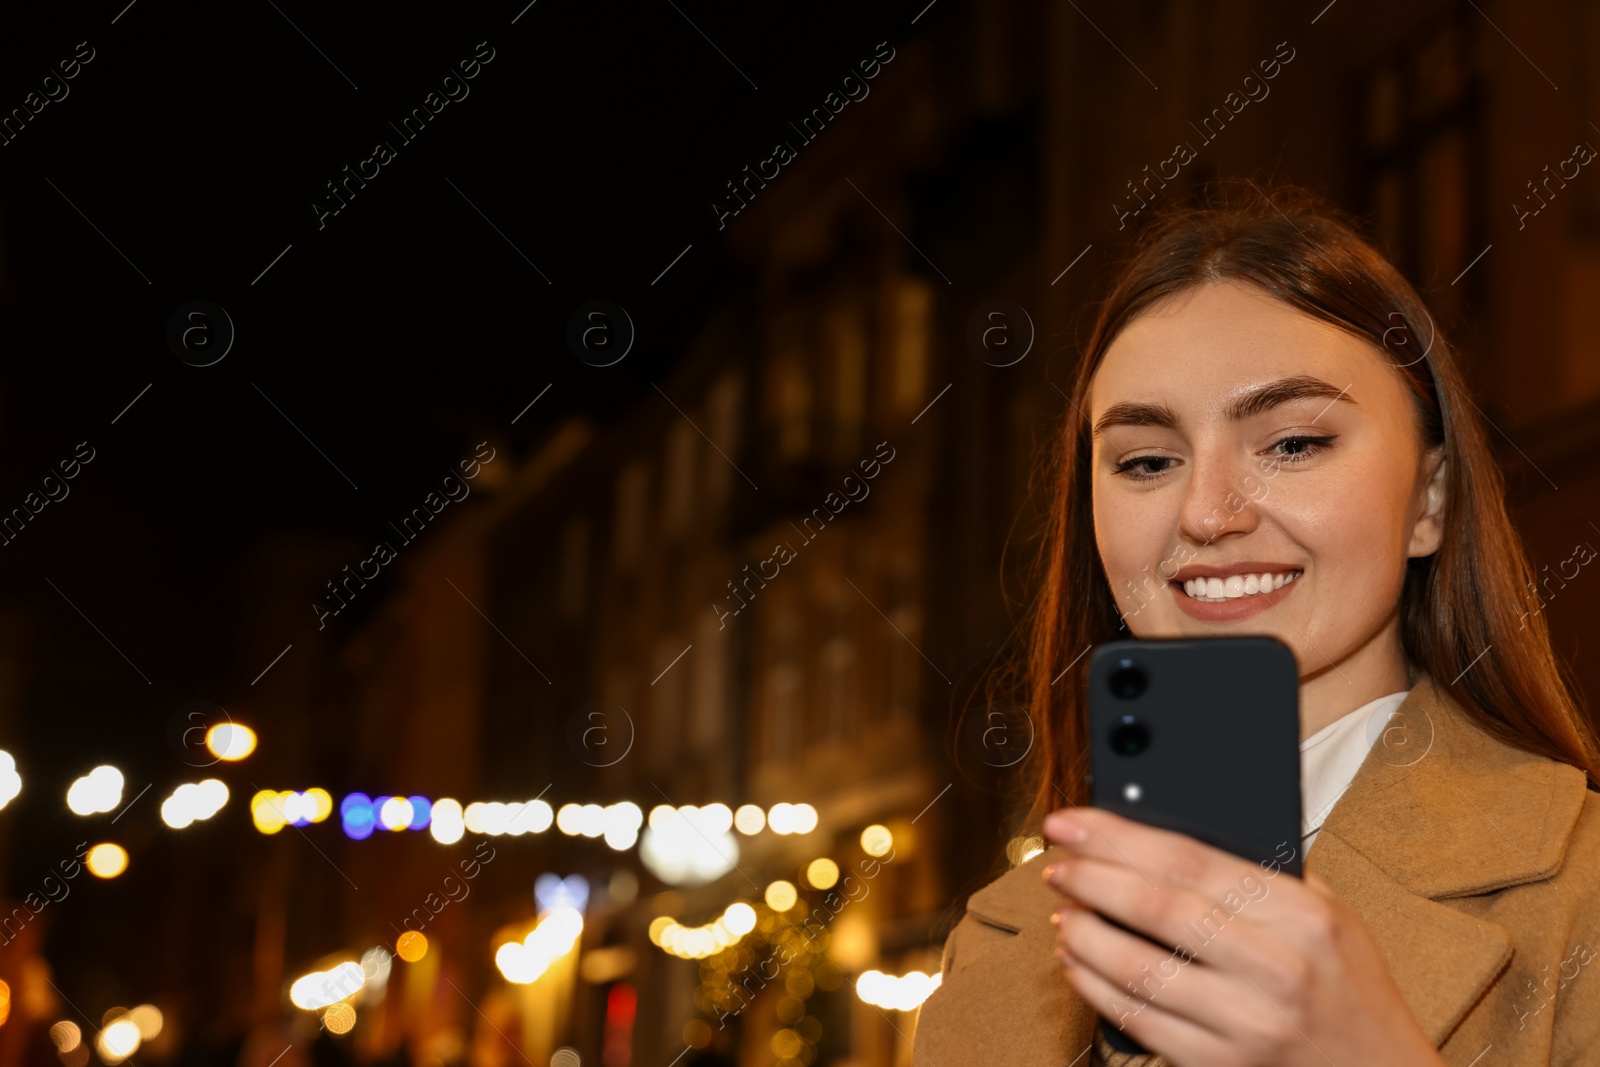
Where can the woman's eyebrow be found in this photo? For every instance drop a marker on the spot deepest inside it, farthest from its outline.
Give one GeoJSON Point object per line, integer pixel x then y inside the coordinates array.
{"type": "Point", "coordinates": [1282, 391]}
{"type": "Point", "coordinates": [1254, 402]}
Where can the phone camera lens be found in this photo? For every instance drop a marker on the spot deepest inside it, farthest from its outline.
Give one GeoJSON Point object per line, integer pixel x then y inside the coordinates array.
{"type": "Point", "coordinates": [1129, 737]}
{"type": "Point", "coordinates": [1127, 679]}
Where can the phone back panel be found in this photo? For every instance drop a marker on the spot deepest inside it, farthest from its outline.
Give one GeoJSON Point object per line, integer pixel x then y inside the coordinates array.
{"type": "Point", "coordinates": [1222, 756]}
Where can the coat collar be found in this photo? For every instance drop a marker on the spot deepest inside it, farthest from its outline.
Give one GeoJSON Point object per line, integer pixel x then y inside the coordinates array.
{"type": "Point", "coordinates": [1440, 810]}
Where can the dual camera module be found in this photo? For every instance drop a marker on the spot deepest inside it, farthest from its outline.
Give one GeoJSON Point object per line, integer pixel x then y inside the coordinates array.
{"type": "Point", "coordinates": [1127, 681]}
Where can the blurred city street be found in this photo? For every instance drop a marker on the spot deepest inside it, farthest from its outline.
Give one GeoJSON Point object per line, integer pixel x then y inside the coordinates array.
{"type": "Point", "coordinates": [516, 520]}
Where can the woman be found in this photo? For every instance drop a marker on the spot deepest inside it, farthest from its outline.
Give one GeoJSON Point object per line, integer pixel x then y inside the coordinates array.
{"type": "Point", "coordinates": [1267, 435]}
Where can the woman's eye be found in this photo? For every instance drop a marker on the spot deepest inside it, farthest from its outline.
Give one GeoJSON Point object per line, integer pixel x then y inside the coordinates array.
{"type": "Point", "coordinates": [1300, 447]}
{"type": "Point", "coordinates": [1140, 468]}
{"type": "Point", "coordinates": [1296, 448]}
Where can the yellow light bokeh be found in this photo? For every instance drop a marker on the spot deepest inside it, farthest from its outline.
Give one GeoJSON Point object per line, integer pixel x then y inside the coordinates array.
{"type": "Point", "coordinates": [322, 803]}
{"type": "Point", "coordinates": [876, 840]}
{"type": "Point", "coordinates": [339, 1019]}
{"type": "Point", "coordinates": [411, 946]}
{"type": "Point", "coordinates": [750, 819]}
{"type": "Point", "coordinates": [118, 1041]}
{"type": "Point", "coordinates": [266, 811]}
{"type": "Point", "coordinates": [66, 1036]}
{"type": "Point", "coordinates": [786, 1044]}
{"type": "Point", "coordinates": [739, 918]}
{"type": "Point", "coordinates": [781, 895]}
{"type": "Point", "coordinates": [320, 989]}
{"type": "Point", "coordinates": [106, 860]}
{"type": "Point", "coordinates": [231, 741]}
{"type": "Point", "coordinates": [822, 873]}
{"type": "Point", "coordinates": [148, 1018]}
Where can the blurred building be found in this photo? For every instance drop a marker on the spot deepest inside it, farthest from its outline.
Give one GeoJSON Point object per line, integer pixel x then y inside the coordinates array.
{"type": "Point", "coordinates": [780, 578]}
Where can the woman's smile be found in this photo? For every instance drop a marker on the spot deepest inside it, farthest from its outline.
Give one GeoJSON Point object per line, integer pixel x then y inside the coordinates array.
{"type": "Point", "coordinates": [1231, 592]}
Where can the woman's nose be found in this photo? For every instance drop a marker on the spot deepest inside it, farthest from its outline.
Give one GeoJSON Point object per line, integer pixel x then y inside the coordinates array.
{"type": "Point", "coordinates": [1216, 501]}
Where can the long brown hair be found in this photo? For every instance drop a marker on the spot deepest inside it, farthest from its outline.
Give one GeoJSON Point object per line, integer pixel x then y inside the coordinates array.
{"type": "Point", "coordinates": [1455, 603]}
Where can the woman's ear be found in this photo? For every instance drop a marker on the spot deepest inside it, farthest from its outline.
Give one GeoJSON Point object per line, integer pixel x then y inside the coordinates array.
{"type": "Point", "coordinates": [1428, 531]}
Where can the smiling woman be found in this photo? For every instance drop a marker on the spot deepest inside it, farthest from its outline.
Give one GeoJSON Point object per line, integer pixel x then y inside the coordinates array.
{"type": "Point", "coordinates": [1252, 447]}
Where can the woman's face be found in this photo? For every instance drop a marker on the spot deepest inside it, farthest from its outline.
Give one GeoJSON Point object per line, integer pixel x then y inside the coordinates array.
{"type": "Point", "coordinates": [1259, 471]}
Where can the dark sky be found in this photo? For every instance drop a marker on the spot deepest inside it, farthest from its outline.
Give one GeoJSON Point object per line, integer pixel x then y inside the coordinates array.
{"type": "Point", "coordinates": [404, 329]}
{"type": "Point", "coordinates": [180, 165]}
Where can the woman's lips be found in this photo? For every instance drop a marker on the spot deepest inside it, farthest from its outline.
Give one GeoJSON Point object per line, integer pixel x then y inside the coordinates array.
{"type": "Point", "coordinates": [1242, 607]}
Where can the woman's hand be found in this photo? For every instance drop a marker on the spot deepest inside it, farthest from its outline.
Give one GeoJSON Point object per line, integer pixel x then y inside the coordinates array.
{"type": "Point", "coordinates": [1269, 969]}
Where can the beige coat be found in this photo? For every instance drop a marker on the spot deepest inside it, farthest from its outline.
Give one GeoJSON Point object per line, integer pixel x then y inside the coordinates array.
{"type": "Point", "coordinates": [1475, 867]}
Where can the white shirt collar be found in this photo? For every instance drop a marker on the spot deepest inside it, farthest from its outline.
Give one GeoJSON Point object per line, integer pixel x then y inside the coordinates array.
{"type": "Point", "coordinates": [1330, 758]}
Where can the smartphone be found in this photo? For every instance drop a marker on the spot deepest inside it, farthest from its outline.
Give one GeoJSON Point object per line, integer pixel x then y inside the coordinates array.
{"type": "Point", "coordinates": [1201, 736]}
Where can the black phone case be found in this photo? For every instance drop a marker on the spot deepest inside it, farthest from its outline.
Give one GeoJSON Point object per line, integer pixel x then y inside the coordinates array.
{"type": "Point", "coordinates": [1222, 759]}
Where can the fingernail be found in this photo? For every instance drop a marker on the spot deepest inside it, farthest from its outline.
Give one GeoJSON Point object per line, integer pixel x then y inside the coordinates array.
{"type": "Point", "coordinates": [1066, 828]}
{"type": "Point", "coordinates": [1064, 956]}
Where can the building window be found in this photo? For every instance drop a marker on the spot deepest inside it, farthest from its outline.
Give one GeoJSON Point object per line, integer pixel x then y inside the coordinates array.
{"type": "Point", "coordinates": [708, 684]}
{"type": "Point", "coordinates": [913, 310]}
{"type": "Point", "coordinates": [790, 404]}
{"type": "Point", "coordinates": [837, 677]}
{"type": "Point", "coordinates": [902, 661]}
{"type": "Point", "coordinates": [628, 539]}
{"type": "Point", "coordinates": [784, 686]}
{"type": "Point", "coordinates": [677, 492]}
{"type": "Point", "coordinates": [847, 343]}
{"type": "Point", "coordinates": [722, 426]}
{"type": "Point", "coordinates": [666, 702]}
{"type": "Point", "coordinates": [1422, 156]}
{"type": "Point", "coordinates": [573, 579]}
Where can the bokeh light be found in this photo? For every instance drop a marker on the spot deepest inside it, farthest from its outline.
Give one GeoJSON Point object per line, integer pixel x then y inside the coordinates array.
{"type": "Point", "coordinates": [740, 918]}
{"type": "Point", "coordinates": [876, 840]}
{"type": "Point", "coordinates": [523, 962]}
{"type": "Point", "coordinates": [231, 741]}
{"type": "Point", "coordinates": [495, 818]}
{"type": "Point", "coordinates": [272, 810]}
{"type": "Point", "coordinates": [66, 1035]}
{"type": "Point", "coordinates": [792, 818]}
{"type": "Point", "coordinates": [689, 845]}
{"type": "Point", "coordinates": [781, 895]}
{"type": "Point", "coordinates": [98, 791]}
{"type": "Point", "coordinates": [107, 860]}
{"type": "Point", "coordinates": [339, 1019]}
{"type": "Point", "coordinates": [822, 873]}
{"type": "Point", "coordinates": [698, 942]}
{"type": "Point", "coordinates": [411, 946]}
{"type": "Point", "coordinates": [900, 993]}
{"type": "Point", "coordinates": [447, 824]}
{"type": "Point", "coordinates": [148, 1018]}
{"type": "Point", "coordinates": [322, 989]}
{"type": "Point", "coordinates": [118, 1041]}
{"type": "Point", "coordinates": [750, 819]}
{"type": "Point", "coordinates": [394, 813]}
{"type": "Point", "coordinates": [10, 780]}
{"type": "Point", "coordinates": [192, 802]}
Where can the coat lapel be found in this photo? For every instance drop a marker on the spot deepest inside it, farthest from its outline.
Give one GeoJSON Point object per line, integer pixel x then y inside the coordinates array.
{"type": "Point", "coordinates": [1009, 1003]}
{"type": "Point", "coordinates": [1449, 812]}
{"type": "Point", "coordinates": [1441, 809]}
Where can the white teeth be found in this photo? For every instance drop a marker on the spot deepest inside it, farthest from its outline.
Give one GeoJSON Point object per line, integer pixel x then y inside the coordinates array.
{"type": "Point", "coordinates": [1216, 590]}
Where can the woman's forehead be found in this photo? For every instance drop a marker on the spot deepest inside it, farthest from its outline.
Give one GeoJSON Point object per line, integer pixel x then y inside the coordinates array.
{"type": "Point", "coordinates": [1221, 340]}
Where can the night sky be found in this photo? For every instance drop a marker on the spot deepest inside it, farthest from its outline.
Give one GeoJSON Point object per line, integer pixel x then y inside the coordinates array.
{"type": "Point", "coordinates": [373, 347]}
